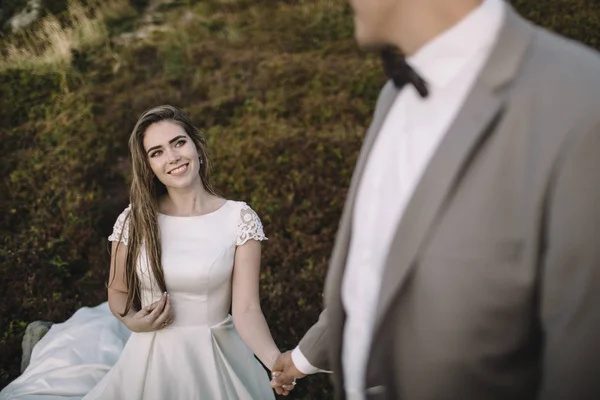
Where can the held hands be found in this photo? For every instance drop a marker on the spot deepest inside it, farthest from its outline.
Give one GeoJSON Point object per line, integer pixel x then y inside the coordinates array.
{"type": "Point", "coordinates": [284, 374]}
{"type": "Point", "coordinates": [153, 317]}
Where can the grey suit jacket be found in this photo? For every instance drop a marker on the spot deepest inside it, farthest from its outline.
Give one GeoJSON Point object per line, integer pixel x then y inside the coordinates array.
{"type": "Point", "coordinates": [491, 288]}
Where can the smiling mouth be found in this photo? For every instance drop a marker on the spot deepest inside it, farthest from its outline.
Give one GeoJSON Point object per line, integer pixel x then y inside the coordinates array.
{"type": "Point", "coordinates": [179, 170]}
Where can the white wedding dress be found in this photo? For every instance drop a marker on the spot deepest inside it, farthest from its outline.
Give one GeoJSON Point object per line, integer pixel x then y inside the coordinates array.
{"type": "Point", "coordinates": [199, 356]}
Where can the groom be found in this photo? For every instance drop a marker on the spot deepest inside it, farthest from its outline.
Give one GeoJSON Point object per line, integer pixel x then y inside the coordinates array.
{"type": "Point", "coordinates": [467, 261]}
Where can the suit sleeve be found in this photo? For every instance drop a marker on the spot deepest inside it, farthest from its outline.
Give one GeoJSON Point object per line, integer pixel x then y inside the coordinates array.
{"type": "Point", "coordinates": [314, 346]}
{"type": "Point", "coordinates": [570, 273]}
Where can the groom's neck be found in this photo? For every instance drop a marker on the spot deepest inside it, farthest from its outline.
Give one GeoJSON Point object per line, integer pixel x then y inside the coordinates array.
{"type": "Point", "coordinates": [416, 23]}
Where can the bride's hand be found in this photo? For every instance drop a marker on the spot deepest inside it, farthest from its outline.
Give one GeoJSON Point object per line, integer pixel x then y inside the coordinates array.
{"type": "Point", "coordinates": [155, 316]}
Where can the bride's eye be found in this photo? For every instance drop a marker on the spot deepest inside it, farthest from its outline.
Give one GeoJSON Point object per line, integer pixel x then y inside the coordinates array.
{"type": "Point", "coordinates": [180, 143]}
{"type": "Point", "coordinates": [156, 153]}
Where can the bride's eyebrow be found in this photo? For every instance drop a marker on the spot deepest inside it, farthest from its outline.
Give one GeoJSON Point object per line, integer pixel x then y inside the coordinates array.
{"type": "Point", "coordinates": [176, 138]}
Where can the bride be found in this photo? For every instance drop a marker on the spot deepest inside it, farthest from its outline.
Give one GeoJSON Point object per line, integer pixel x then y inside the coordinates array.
{"type": "Point", "coordinates": [182, 257]}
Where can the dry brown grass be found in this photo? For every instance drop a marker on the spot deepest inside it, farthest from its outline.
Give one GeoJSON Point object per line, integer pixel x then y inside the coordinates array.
{"type": "Point", "coordinates": [49, 45]}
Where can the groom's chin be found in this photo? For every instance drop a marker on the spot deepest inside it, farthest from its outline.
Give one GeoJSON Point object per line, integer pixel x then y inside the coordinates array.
{"type": "Point", "coordinates": [373, 46]}
{"type": "Point", "coordinates": [367, 40]}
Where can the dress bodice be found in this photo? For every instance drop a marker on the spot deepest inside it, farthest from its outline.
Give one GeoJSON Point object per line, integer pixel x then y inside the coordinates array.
{"type": "Point", "coordinates": [197, 260]}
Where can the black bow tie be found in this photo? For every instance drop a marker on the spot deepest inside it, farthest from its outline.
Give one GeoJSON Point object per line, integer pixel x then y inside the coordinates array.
{"type": "Point", "coordinates": [400, 72]}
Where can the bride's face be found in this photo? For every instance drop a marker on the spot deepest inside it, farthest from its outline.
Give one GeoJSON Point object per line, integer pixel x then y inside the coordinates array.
{"type": "Point", "coordinates": [171, 154]}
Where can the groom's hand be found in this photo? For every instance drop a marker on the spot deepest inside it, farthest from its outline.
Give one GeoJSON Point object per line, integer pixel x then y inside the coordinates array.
{"type": "Point", "coordinates": [285, 374]}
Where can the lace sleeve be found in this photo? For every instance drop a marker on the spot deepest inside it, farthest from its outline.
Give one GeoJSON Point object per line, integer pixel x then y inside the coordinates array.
{"type": "Point", "coordinates": [121, 228]}
{"type": "Point", "coordinates": [249, 226]}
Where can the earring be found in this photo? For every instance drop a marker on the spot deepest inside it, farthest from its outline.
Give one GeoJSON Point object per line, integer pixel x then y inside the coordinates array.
{"type": "Point", "coordinates": [200, 160]}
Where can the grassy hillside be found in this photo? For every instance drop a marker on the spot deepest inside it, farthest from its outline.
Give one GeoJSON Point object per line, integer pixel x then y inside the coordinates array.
{"type": "Point", "coordinates": [279, 89]}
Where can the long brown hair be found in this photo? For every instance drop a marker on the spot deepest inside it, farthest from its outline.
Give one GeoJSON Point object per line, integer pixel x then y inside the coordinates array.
{"type": "Point", "coordinates": [146, 189]}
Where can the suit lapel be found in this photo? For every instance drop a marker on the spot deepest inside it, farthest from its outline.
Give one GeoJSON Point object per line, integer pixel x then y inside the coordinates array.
{"type": "Point", "coordinates": [434, 188]}
{"type": "Point", "coordinates": [337, 263]}
{"type": "Point", "coordinates": [470, 128]}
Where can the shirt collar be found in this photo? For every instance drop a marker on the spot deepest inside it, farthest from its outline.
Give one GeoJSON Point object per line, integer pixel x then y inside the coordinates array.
{"type": "Point", "coordinates": [442, 58]}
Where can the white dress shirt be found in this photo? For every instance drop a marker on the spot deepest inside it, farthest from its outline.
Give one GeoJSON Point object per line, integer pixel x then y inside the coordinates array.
{"type": "Point", "coordinates": [408, 138]}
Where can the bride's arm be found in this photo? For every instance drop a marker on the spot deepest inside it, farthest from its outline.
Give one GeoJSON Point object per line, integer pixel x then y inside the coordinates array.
{"type": "Point", "coordinates": [148, 318]}
{"type": "Point", "coordinates": [247, 314]}
{"type": "Point", "coordinates": [117, 286]}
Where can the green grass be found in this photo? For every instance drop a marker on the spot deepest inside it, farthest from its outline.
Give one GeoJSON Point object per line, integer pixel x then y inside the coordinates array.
{"type": "Point", "coordinates": [282, 94]}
